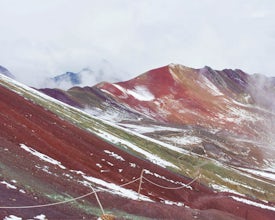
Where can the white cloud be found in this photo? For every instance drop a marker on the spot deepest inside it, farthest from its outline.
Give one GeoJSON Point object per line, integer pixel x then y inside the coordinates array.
{"type": "Point", "coordinates": [46, 38]}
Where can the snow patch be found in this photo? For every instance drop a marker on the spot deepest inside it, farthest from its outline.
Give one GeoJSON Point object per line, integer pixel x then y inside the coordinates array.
{"type": "Point", "coordinates": [249, 202]}
{"type": "Point", "coordinates": [40, 217]}
{"type": "Point", "coordinates": [151, 157]}
{"type": "Point", "coordinates": [12, 217]}
{"type": "Point", "coordinates": [111, 164]}
{"type": "Point", "coordinates": [264, 174]}
{"type": "Point", "coordinates": [104, 171]}
{"type": "Point", "coordinates": [22, 191]}
{"type": "Point", "coordinates": [206, 83]}
{"type": "Point", "coordinates": [112, 154]}
{"type": "Point", "coordinates": [222, 188]}
{"type": "Point", "coordinates": [124, 96]}
{"type": "Point", "coordinates": [167, 202]}
{"type": "Point", "coordinates": [115, 189]}
{"type": "Point", "coordinates": [169, 146]}
{"type": "Point", "coordinates": [8, 185]}
{"type": "Point", "coordinates": [42, 156]}
{"type": "Point", "coordinates": [140, 93]}
{"type": "Point", "coordinates": [241, 115]}
{"type": "Point", "coordinates": [133, 165]}
{"type": "Point", "coordinates": [168, 180]}
{"type": "Point", "coordinates": [98, 165]}
{"type": "Point", "coordinates": [185, 140]}
{"type": "Point", "coordinates": [148, 128]}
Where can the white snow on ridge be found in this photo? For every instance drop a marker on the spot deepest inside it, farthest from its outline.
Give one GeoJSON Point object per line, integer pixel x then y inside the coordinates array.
{"type": "Point", "coordinates": [115, 189]}
{"type": "Point", "coordinates": [40, 217]}
{"type": "Point", "coordinates": [168, 180]}
{"type": "Point", "coordinates": [8, 185]}
{"type": "Point", "coordinates": [249, 202]}
{"type": "Point", "coordinates": [112, 154]}
{"type": "Point", "coordinates": [167, 202]}
{"type": "Point", "coordinates": [12, 217]}
{"type": "Point", "coordinates": [237, 115]}
{"type": "Point", "coordinates": [264, 174]}
{"type": "Point", "coordinates": [210, 87]}
{"type": "Point", "coordinates": [153, 158]}
{"type": "Point", "coordinates": [184, 140]}
{"type": "Point", "coordinates": [242, 114]}
{"type": "Point", "coordinates": [42, 156]}
{"type": "Point", "coordinates": [169, 146]}
{"type": "Point", "coordinates": [141, 129]}
{"type": "Point", "coordinates": [121, 89]}
{"type": "Point", "coordinates": [222, 188]}
{"type": "Point", "coordinates": [140, 93]}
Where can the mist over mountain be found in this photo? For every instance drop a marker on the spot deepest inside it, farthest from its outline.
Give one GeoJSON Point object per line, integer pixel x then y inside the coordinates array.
{"type": "Point", "coordinates": [6, 72]}
{"type": "Point", "coordinates": [86, 77]}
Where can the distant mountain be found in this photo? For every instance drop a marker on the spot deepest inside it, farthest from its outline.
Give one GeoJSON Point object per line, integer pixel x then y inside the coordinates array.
{"type": "Point", "coordinates": [85, 77]}
{"type": "Point", "coordinates": [73, 78]}
{"type": "Point", "coordinates": [6, 72]}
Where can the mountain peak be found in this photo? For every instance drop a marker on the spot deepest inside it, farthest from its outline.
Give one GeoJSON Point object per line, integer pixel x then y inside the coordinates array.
{"type": "Point", "coordinates": [85, 77]}
{"type": "Point", "coordinates": [69, 77]}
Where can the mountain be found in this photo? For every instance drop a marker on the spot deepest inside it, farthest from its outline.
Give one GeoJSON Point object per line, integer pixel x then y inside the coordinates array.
{"type": "Point", "coordinates": [205, 111]}
{"type": "Point", "coordinates": [69, 77]}
{"type": "Point", "coordinates": [6, 72]}
{"type": "Point", "coordinates": [85, 77]}
{"type": "Point", "coordinates": [142, 165]}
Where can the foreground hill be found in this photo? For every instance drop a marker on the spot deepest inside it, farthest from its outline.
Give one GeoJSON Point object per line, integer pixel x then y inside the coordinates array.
{"type": "Point", "coordinates": [53, 156]}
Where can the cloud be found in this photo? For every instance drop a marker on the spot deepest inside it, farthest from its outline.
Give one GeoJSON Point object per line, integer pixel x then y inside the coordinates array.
{"type": "Point", "coordinates": [46, 38]}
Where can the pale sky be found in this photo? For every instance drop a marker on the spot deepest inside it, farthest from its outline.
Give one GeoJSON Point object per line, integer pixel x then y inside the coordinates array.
{"type": "Point", "coordinates": [44, 38]}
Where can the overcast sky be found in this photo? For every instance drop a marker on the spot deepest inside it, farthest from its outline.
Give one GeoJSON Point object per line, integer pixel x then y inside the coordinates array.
{"type": "Point", "coordinates": [43, 38]}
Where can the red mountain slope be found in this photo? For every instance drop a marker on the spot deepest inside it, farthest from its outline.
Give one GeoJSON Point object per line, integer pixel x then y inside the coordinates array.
{"type": "Point", "coordinates": [181, 95]}
{"type": "Point", "coordinates": [225, 103]}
